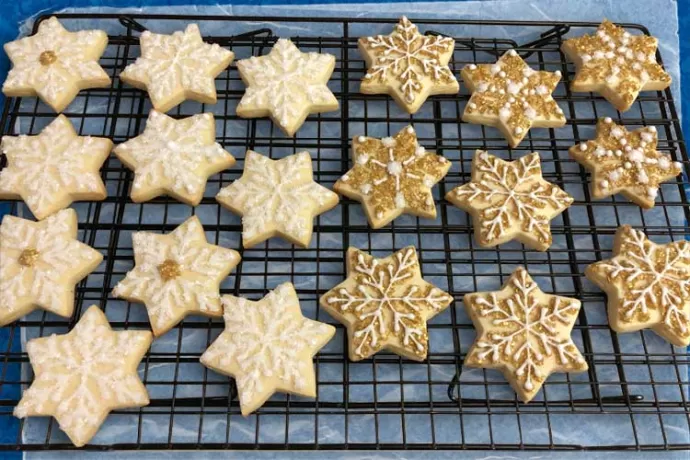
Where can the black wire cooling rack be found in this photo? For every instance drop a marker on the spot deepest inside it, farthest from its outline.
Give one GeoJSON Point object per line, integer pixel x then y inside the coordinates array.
{"type": "Point", "coordinates": [636, 389]}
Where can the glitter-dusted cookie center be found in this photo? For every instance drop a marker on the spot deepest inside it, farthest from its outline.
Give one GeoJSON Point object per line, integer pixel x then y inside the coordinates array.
{"type": "Point", "coordinates": [47, 57]}
{"type": "Point", "coordinates": [169, 270]}
{"type": "Point", "coordinates": [28, 257]}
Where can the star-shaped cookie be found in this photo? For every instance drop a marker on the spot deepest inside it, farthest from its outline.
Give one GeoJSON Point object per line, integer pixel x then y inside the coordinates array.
{"type": "Point", "coordinates": [277, 198]}
{"type": "Point", "coordinates": [510, 200]}
{"type": "Point", "coordinates": [81, 376]}
{"type": "Point", "coordinates": [267, 346]}
{"type": "Point", "coordinates": [524, 333]}
{"type": "Point", "coordinates": [385, 304]}
{"type": "Point", "coordinates": [648, 285]}
{"type": "Point", "coordinates": [407, 65]}
{"type": "Point", "coordinates": [174, 157]}
{"type": "Point", "coordinates": [615, 64]}
{"type": "Point", "coordinates": [176, 275]}
{"type": "Point", "coordinates": [625, 162]}
{"type": "Point", "coordinates": [286, 85]}
{"type": "Point", "coordinates": [55, 64]}
{"type": "Point", "coordinates": [173, 68]}
{"type": "Point", "coordinates": [392, 176]}
{"type": "Point", "coordinates": [54, 168]}
{"type": "Point", "coordinates": [512, 97]}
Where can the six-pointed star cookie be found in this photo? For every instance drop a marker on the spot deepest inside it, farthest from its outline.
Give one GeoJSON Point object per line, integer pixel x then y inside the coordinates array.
{"type": "Point", "coordinates": [83, 375]}
{"type": "Point", "coordinates": [408, 65]}
{"type": "Point", "coordinates": [512, 97]}
{"type": "Point", "coordinates": [523, 332]}
{"type": "Point", "coordinates": [56, 64]}
{"type": "Point", "coordinates": [177, 274]}
{"type": "Point", "coordinates": [648, 285]}
{"type": "Point", "coordinates": [510, 200]}
{"type": "Point", "coordinates": [267, 346]}
{"type": "Point", "coordinates": [277, 198]}
{"type": "Point", "coordinates": [174, 157]}
{"type": "Point", "coordinates": [54, 168]}
{"type": "Point", "coordinates": [385, 304]}
{"type": "Point", "coordinates": [286, 85]}
{"type": "Point", "coordinates": [392, 176]}
{"type": "Point", "coordinates": [616, 64]}
{"type": "Point", "coordinates": [40, 263]}
{"type": "Point", "coordinates": [625, 162]}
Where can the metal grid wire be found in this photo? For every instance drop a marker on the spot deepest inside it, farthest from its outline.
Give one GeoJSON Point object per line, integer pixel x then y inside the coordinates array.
{"type": "Point", "coordinates": [636, 382]}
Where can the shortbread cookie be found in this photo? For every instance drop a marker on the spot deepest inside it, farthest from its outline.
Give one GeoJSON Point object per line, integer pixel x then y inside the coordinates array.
{"type": "Point", "coordinates": [267, 346]}
{"type": "Point", "coordinates": [408, 66]}
{"type": "Point", "coordinates": [512, 97]}
{"type": "Point", "coordinates": [176, 275]}
{"type": "Point", "coordinates": [277, 198]}
{"type": "Point", "coordinates": [392, 176]}
{"type": "Point", "coordinates": [173, 68]}
{"type": "Point", "coordinates": [56, 64]}
{"type": "Point", "coordinates": [385, 304]}
{"type": "Point", "coordinates": [648, 285]}
{"type": "Point", "coordinates": [286, 85]}
{"type": "Point", "coordinates": [40, 264]}
{"type": "Point", "coordinates": [83, 375]}
{"type": "Point", "coordinates": [625, 162]}
{"type": "Point", "coordinates": [174, 157]}
{"type": "Point", "coordinates": [524, 333]}
{"type": "Point", "coordinates": [615, 64]}
{"type": "Point", "coordinates": [510, 200]}
{"type": "Point", "coordinates": [54, 168]}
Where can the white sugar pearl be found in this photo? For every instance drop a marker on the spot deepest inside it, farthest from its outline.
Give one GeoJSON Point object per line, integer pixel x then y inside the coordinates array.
{"type": "Point", "coordinates": [361, 139]}
{"type": "Point", "coordinates": [607, 120]}
{"type": "Point", "coordinates": [583, 147]}
{"type": "Point", "coordinates": [472, 67]}
{"type": "Point", "coordinates": [512, 53]}
{"type": "Point", "coordinates": [410, 130]}
{"type": "Point", "coordinates": [604, 183]}
{"type": "Point", "coordinates": [518, 130]}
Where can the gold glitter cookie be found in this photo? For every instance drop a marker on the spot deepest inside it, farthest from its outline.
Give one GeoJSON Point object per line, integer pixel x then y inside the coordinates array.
{"type": "Point", "coordinates": [267, 346]}
{"type": "Point", "coordinates": [648, 285]}
{"type": "Point", "coordinates": [615, 64]}
{"type": "Point", "coordinates": [408, 66]}
{"type": "Point", "coordinates": [512, 97]}
{"type": "Point", "coordinates": [510, 200]}
{"type": "Point", "coordinates": [625, 162]}
{"type": "Point", "coordinates": [385, 304]}
{"type": "Point", "coordinates": [81, 376]}
{"type": "Point", "coordinates": [524, 333]}
{"type": "Point", "coordinates": [392, 176]}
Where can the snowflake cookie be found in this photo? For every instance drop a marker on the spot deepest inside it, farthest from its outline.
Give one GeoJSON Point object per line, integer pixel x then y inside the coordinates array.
{"type": "Point", "coordinates": [173, 68]}
{"type": "Point", "coordinates": [408, 65]}
{"type": "Point", "coordinates": [510, 200]}
{"type": "Point", "coordinates": [277, 198]}
{"type": "Point", "coordinates": [267, 346]}
{"type": "Point", "coordinates": [286, 85]}
{"type": "Point", "coordinates": [392, 176]}
{"type": "Point", "coordinates": [385, 304]}
{"type": "Point", "coordinates": [83, 375]}
{"type": "Point", "coordinates": [54, 168]}
{"type": "Point", "coordinates": [512, 97]}
{"type": "Point", "coordinates": [174, 157]}
{"type": "Point", "coordinates": [625, 162]}
{"type": "Point", "coordinates": [523, 332]}
{"type": "Point", "coordinates": [56, 64]}
{"type": "Point", "coordinates": [616, 64]}
{"type": "Point", "coordinates": [648, 285]}
{"type": "Point", "coordinates": [176, 274]}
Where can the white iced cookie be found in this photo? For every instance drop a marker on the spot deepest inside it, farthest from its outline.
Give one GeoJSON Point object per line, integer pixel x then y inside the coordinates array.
{"type": "Point", "coordinates": [56, 64]}
{"type": "Point", "coordinates": [267, 346]}
{"type": "Point", "coordinates": [173, 68]}
{"type": "Point", "coordinates": [176, 275]}
{"type": "Point", "coordinates": [81, 376]}
{"type": "Point", "coordinates": [648, 285]}
{"type": "Point", "coordinates": [385, 304]}
{"type": "Point", "coordinates": [407, 65]}
{"type": "Point", "coordinates": [277, 198]}
{"type": "Point", "coordinates": [174, 157]}
{"type": "Point", "coordinates": [54, 168]}
{"type": "Point", "coordinates": [286, 85]}
{"type": "Point", "coordinates": [510, 200]}
{"type": "Point", "coordinates": [524, 333]}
